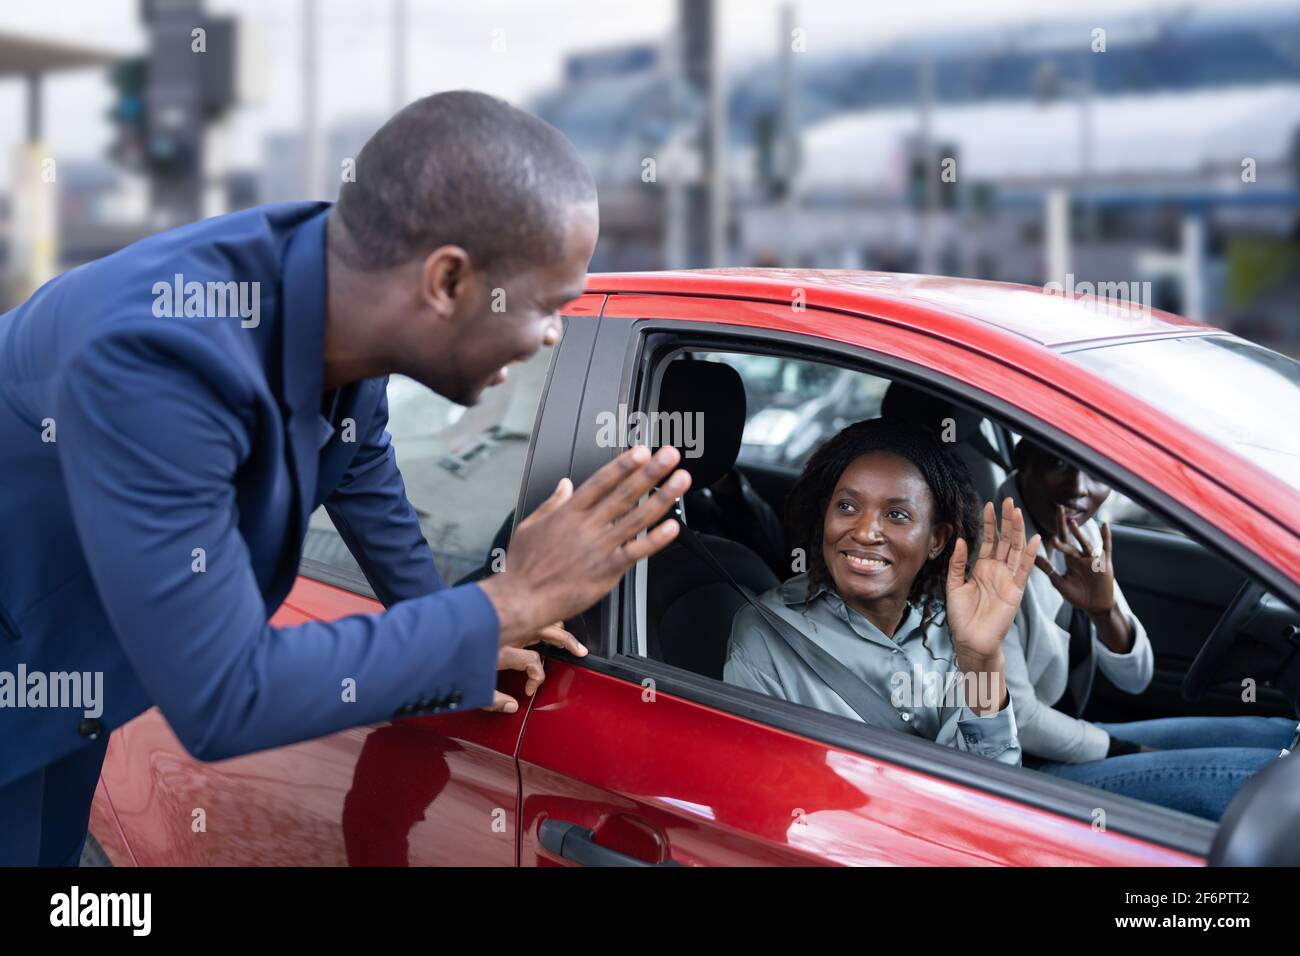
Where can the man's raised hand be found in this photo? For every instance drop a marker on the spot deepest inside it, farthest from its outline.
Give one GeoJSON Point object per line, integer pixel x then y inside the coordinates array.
{"type": "Point", "coordinates": [571, 551]}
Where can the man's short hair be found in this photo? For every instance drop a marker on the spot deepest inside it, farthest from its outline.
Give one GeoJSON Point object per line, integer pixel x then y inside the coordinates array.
{"type": "Point", "coordinates": [467, 169]}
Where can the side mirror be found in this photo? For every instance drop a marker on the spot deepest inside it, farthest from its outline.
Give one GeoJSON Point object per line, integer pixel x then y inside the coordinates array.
{"type": "Point", "coordinates": [1261, 826]}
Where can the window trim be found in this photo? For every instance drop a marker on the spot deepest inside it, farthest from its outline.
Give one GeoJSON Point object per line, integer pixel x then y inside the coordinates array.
{"type": "Point", "coordinates": [340, 578]}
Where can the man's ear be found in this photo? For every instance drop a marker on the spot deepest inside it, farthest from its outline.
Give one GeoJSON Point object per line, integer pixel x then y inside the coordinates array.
{"type": "Point", "coordinates": [442, 279]}
{"type": "Point", "coordinates": [940, 534]}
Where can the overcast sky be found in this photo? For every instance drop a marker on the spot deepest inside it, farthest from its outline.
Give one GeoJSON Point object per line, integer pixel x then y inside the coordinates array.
{"type": "Point", "coordinates": [450, 46]}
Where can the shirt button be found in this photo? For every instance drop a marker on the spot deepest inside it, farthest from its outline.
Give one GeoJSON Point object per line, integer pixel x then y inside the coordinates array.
{"type": "Point", "coordinates": [906, 716]}
{"type": "Point", "coordinates": [90, 727]}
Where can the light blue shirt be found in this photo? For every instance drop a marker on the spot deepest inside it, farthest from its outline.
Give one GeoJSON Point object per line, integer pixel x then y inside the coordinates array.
{"type": "Point", "coordinates": [919, 678]}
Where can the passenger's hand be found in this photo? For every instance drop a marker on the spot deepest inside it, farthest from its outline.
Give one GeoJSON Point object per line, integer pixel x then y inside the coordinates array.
{"type": "Point", "coordinates": [517, 658]}
{"type": "Point", "coordinates": [1089, 579]}
{"type": "Point", "coordinates": [577, 545]}
{"type": "Point", "coordinates": [981, 609]}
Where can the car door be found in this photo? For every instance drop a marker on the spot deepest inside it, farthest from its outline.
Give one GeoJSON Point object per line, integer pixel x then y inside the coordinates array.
{"type": "Point", "coordinates": [626, 760]}
{"type": "Point", "coordinates": [431, 790]}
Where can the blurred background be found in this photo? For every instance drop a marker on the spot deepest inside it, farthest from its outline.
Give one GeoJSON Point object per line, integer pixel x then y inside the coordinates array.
{"type": "Point", "coordinates": [1076, 142]}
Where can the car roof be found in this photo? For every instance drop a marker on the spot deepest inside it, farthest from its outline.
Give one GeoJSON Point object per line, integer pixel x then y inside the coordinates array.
{"type": "Point", "coordinates": [1057, 321]}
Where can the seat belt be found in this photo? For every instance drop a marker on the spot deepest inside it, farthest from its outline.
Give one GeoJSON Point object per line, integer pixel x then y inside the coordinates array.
{"type": "Point", "coordinates": [865, 701]}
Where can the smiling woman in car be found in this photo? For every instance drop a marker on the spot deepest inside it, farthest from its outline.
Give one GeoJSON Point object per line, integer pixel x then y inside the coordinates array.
{"type": "Point", "coordinates": [886, 612]}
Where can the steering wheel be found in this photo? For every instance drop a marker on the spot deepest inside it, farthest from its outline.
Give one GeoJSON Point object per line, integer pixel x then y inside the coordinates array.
{"type": "Point", "coordinates": [1213, 655]}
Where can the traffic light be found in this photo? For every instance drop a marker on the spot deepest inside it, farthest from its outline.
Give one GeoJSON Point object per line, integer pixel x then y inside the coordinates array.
{"type": "Point", "coordinates": [151, 137]}
{"type": "Point", "coordinates": [189, 86]}
{"type": "Point", "coordinates": [129, 78]}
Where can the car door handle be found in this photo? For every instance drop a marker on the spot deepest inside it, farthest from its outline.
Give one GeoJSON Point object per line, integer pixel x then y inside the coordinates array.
{"type": "Point", "coordinates": [572, 842]}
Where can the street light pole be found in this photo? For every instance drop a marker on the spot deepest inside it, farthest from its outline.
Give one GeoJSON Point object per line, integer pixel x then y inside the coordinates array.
{"type": "Point", "coordinates": [311, 146]}
{"type": "Point", "coordinates": [789, 139]}
{"type": "Point", "coordinates": [399, 55]}
{"type": "Point", "coordinates": [929, 253]}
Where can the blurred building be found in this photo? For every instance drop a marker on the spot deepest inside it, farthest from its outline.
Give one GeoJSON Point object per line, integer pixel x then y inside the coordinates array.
{"type": "Point", "coordinates": [30, 211]}
{"type": "Point", "coordinates": [616, 106]}
{"type": "Point", "coordinates": [280, 173]}
{"type": "Point", "coordinates": [101, 209]}
{"type": "Point", "coordinates": [1145, 141]}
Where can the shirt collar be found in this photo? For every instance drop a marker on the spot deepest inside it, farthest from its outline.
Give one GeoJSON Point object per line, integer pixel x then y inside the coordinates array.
{"type": "Point", "coordinates": [794, 593]}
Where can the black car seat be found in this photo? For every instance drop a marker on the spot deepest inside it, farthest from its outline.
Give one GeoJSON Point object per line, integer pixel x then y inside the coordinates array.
{"type": "Point", "coordinates": [688, 609]}
{"type": "Point", "coordinates": [987, 466]}
{"type": "Point", "coordinates": [721, 502]}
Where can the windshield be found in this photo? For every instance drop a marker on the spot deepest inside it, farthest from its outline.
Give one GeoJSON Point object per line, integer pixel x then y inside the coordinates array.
{"type": "Point", "coordinates": [1243, 396]}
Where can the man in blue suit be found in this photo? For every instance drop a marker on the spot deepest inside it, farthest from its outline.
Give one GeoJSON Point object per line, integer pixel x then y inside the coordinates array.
{"type": "Point", "coordinates": [172, 414]}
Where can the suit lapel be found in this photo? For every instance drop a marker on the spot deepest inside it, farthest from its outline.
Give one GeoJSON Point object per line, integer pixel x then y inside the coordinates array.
{"type": "Point", "coordinates": [357, 403]}
{"type": "Point", "coordinates": [303, 336]}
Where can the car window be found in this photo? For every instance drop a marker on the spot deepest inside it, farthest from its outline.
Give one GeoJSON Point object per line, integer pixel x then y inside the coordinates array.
{"type": "Point", "coordinates": [1241, 395]}
{"type": "Point", "coordinates": [684, 617]}
{"type": "Point", "coordinates": [793, 405]}
{"type": "Point", "coordinates": [462, 468]}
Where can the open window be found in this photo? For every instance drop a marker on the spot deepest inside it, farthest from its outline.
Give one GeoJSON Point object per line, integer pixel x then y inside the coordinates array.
{"type": "Point", "coordinates": [768, 402]}
{"type": "Point", "coordinates": [462, 467]}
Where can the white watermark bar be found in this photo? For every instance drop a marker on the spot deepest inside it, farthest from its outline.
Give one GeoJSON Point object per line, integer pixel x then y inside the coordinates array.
{"type": "Point", "coordinates": [1105, 297]}
{"type": "Point", "coordinates": [623, 429]}
{"type": "Point", "coordinates": [921, 688]}
{"type": "Point", "coordinates": [208, 300]}
{"type": "Point", "coordinates": [57, 689]}
{"type": "Point", "coordinates": [75, 908]}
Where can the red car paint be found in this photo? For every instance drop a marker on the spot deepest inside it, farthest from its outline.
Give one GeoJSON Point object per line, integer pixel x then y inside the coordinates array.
{"type": "Point", "coordinates": [661, 777]}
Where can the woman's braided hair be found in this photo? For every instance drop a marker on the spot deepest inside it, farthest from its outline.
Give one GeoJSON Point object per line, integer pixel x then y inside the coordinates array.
{"type": "Point", "coordinates": [950, 484]}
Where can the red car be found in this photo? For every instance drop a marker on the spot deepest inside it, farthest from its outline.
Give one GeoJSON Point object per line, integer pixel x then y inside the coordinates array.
{"type": "Point", "coordinates": [639, 753]}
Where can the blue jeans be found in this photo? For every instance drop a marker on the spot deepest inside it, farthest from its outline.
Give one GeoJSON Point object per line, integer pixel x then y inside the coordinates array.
{"type": "Point", "coordinates": [1199, 766]}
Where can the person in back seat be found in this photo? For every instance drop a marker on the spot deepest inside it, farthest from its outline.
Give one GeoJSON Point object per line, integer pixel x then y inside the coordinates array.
{"type": "Point", "coordinates": [1074, 621]}
{"type": "Point", "coordinates": [887, 518]}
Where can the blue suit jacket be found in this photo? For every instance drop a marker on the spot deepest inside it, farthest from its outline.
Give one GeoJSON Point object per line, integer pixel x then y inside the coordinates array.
{"type": "Point", "coordinates": [129, 439]}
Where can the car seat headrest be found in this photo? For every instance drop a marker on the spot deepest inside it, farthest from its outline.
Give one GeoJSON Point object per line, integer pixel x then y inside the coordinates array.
{"type": "Point", "coordinates": [904, 403]}
{"type": "Point", "coordinates": [709, 397]}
